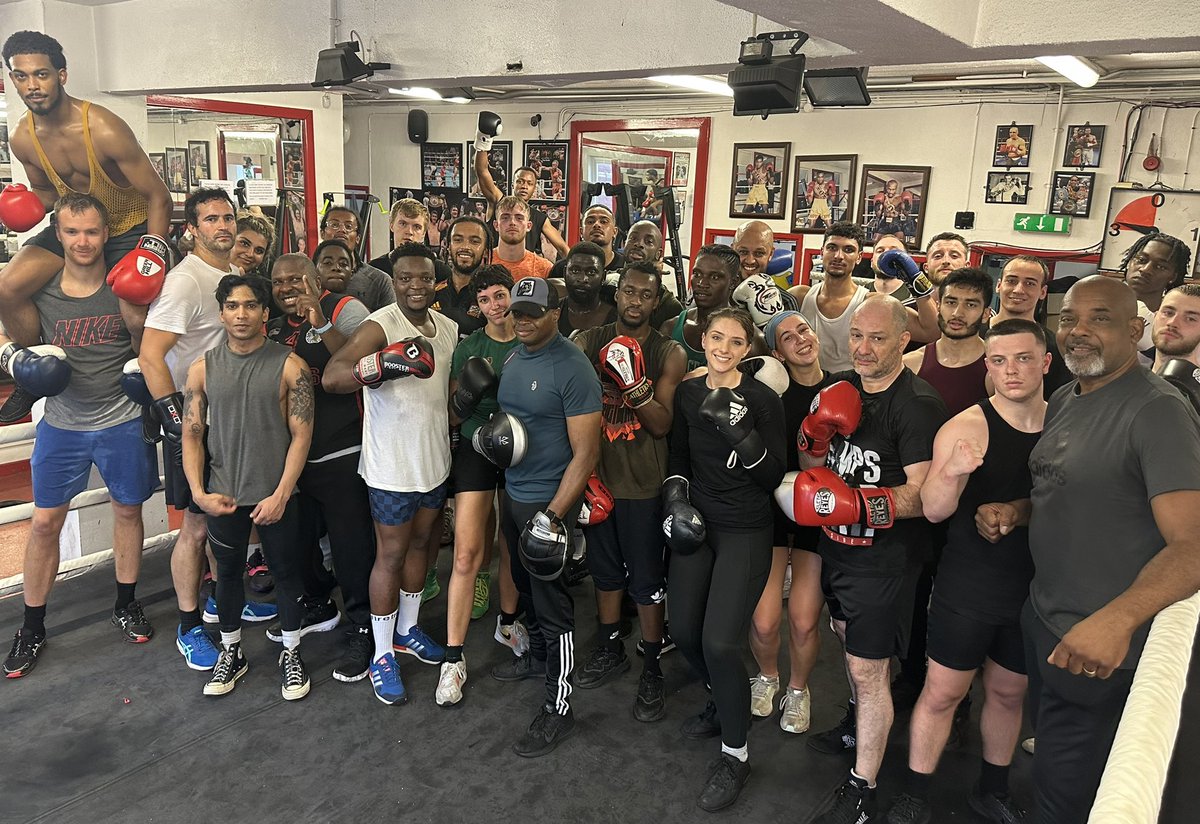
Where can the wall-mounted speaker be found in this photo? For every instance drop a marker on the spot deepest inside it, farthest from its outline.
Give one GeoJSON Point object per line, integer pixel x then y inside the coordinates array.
{"type": "Point", "coordinates": [964, 220]}
{"type": "Point", "coordinates": [418, 125]}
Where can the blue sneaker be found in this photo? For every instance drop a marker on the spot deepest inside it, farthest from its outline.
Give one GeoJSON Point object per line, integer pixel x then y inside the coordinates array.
{"type": "Point", "coordinates": [196, 648]}
{"type": "Point", "coordinates": [419, 645]}
{"type": "Point", "coordinates": [385, 680]}
{"type": "Point", "coordinates": [253, 612]}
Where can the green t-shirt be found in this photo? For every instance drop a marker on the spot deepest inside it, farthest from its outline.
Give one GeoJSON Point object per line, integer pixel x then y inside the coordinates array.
{"type": "Point", "coordinates": [478, 344]}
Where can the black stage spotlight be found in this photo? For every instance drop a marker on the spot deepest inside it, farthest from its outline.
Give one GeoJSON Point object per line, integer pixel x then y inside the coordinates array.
{"type": "Point", "coordinates": [837, 87]}
{"type": "Point", "coordinates": [340, 65]}
{"type": "Point", "coordinates": [763, 84]}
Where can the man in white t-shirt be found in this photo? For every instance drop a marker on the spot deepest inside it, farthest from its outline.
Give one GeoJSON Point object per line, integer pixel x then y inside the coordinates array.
{"type": "Point", "coordinates": [402, 353]}
{"type": "Point", "coordinates": [182, 324]}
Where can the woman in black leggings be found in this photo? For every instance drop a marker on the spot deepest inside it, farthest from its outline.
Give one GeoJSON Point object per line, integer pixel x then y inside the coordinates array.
{"type": "Point", "coordinates": [728, 442]}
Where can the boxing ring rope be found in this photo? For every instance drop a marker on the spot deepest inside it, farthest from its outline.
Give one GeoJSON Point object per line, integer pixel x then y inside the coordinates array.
{"type": "Point", "coordinates": [1132, 786]}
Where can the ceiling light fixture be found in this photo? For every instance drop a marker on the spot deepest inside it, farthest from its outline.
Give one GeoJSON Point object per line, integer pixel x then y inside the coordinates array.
{"type": "Point", "coordinates": [1079, 71]}
{"type": "Point", "coordinates": [417, 91]}
{"type": "Point", "coordinates": [340, 65]}
{"type": "Point", "coordinates": [695, 83]}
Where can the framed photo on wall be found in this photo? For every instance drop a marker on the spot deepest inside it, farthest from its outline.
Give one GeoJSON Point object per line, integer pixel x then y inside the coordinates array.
{"type": "Point", "coordinates": [1084, 144]}
{"type": "Point", "coordinates": [556, 215]}
{"type": "Point", "coordinates": [1132, 213]}
{"type": "Point", "coordinates": [500, 166]}
{"type": "Point", "coordinates": [1071, 193]}
{"type": "Point", "coordinates": [444, 205]}
{"type": "Point", "coordinates": [760, 180]}
{"type": "Point", "coordinates": [442, 166]}
{"type": "Point", "coordinates": [1007, 187]}
{"type": "Point", "coordinates": [548, 159]}
{"type": "Point", "coordinates": [159, 161]}
{"type": "Point", "coordinates": [198, 162]}
{"type": "Point", "coordinates": [1013, 144]}
{"type": "Point", "coordinates": [681, 167]}
{"type": "Point", "coordinates": [293, 164]}
{"type": "Point", "coordinates": [177, 170]}
{"type": "Point", "coordinates": [892, 202]}
{"type": "Point", "coordinates": [824, 191]}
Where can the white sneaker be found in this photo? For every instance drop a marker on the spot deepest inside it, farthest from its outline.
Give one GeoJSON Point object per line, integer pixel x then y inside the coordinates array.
{"type": "Point", "coordinates": [762, 695]}
{"type": "Point", "coordinates": [450, 683]}
{"type": "Point", "coordinates": [516, 639]}
{"type": "Point", "coordinates": [795, 710]}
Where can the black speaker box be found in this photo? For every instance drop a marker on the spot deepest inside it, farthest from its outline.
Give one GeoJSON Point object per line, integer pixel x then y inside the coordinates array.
{"type": "Point", "coordinates": [418, 125]}
{"type": "Point", "coordinates": [962, 220]}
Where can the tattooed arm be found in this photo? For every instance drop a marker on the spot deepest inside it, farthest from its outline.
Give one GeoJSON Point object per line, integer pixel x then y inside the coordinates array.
{"type": "Point", "coordinates": [195, 422]}
{"type": "Point", "coordinates": [298, 407]}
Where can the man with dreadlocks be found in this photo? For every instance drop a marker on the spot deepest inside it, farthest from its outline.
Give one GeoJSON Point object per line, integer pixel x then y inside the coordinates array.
{"type": "Point", "coordinates": [1153, 266]}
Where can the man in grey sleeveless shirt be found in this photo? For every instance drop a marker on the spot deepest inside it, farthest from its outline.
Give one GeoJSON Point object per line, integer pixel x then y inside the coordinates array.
{"type": "Point", "coordinates": [90, 422]}
{"type": "Point", "coordinates": [254, 400]}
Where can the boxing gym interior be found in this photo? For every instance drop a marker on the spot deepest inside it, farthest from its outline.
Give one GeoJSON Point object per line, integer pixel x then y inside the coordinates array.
{"type": "Point", "coordinates": [1066, 133]}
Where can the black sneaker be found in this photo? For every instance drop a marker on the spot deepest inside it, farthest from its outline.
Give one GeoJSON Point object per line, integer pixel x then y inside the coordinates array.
{"type": "Point", "coordinates": [837, 740]}
{"type": "Point", "coordinates": [22, 658]}
{"type": "Point", "coordinates": [17, 406]}
{"type": "Point", "coordinates": [544, 734]}
{"type": "Point", "coordinates": [853, 804]}
{"type": "Point", "coordinates": [293, 676]}
{"type": "Point", "coordinates": [705, 725]}
{"type": "Point", "coordinates": [321, 616]}
{"type": "Point", "coordinates": [133, 624]}
{"type": "Point", "coordinates": [519, 668]}
{"type": "Point", "coordinates": [603, 665]}
{"type": "Point", "coordinates": [231, 665]}
{"type": "Point", "coordinates": [668, 644]}
{"type": "Point", "coordinates": [356, 660]}
{"type": "Point", "coordinates": [998, 808]}
{"type": "Point", "coordinates": [650, 704]}
{"type": "Point", "coordinates": [727, 775]}
{"type": "Point", "coordinates": [908, 809]}
{"type": "Point", "coordinates": [261, 579]}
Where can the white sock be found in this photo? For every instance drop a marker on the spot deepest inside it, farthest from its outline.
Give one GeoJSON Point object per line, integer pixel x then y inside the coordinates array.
{"type": "Point", "coordinates": [252, 548]}
{"type": "Point", "coordinates": [381, 629]}
{"type": "Point", "coordinates": [291, 638]}
{"type": "Point", "coordinates": [228, 639]}
{"type": "Point", "coordinates": [409, 609]}
{"type": "Point", "coordinates": [740, 753]}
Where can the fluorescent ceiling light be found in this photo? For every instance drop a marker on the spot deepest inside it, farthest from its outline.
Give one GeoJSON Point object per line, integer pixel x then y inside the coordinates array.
{"type": "Point", "coordinates": [1077, 70]}
{"type": "Point", "coordinates": [695, 83]}
{"type": "Point", "coordinates": [417, 91]}
{"type": "Point", "coordinates": [458, 100]}
{"type": "Point", "coordinates": [263, 135]}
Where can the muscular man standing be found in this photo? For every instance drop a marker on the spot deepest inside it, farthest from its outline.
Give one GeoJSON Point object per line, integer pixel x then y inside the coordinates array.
{"type": "Point", "coordinates": [98, 155]}
{"type": "Point", "coordinates": [714, 273]}
{"type": "Point", "coordinates": [831, 303]}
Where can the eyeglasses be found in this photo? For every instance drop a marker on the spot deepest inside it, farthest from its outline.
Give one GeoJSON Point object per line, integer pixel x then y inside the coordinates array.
{"type": "Point", "coordinates": [348, 225]}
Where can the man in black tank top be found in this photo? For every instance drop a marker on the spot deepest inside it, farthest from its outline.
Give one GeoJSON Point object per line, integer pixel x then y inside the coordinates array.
{"type": "Point", "coordinates": [980, 459]}
{"type": "Point", "coordinates": [639, 370]}
{"type": "Point", "coordinates": [253, 470]}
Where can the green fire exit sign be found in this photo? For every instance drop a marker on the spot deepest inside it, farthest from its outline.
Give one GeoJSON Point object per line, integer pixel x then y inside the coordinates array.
{"type": "Point", "coordinates": [1049, 224]}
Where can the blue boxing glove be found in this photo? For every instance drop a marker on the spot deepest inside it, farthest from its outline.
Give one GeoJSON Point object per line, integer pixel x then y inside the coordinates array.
{"type": "Point", "coordinates": [781, 261]}
{"type": "Point", "coordinates": [133, 382]}
{"type": "Point", "coordinates": [41, 370]}
{"type": "Point", "coordinates": [896, 264]}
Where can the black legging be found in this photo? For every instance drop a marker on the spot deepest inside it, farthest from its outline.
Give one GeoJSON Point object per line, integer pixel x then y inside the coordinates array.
{"type": "Point", "coordinates": [713, 593]}
{"type": "Point", "coordinates": [228, 536]}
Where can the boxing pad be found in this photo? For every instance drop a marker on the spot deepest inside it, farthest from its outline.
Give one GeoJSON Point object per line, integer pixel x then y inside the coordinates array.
{"type": "Point", "coordinates": [41, 370]}
{"type": "Point", "coordinates": [780, 262]}
{"type": "Point", "coordinates": [20, 209]}
{"type": "Point", "coordinates": [487, 129]}
{"type": "Point", "coordinates": [768, 370]}
{"type": "Point", "coordinates": [418, 125]}
{"type": "Point", "coordinates": [597, 504]}
{"type": "Point", "coordinates": [1184, 376]}
{"type": "Point", "coordinates": [761, 297]}
{"type": "Point", "coordinates": [502, 440]}
{"type": "Point", "coordinates": [544, 546]}
{"type": "Point", "coordinates": [682, 523]}
{"type": "Point", "coordinates": [896, 264]}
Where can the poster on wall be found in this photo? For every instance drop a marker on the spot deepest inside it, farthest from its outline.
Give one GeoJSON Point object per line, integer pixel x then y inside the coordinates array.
{"type": "Point", "coordinates": [824, 191]}
{"type": "Point", "coordinates": [1134, 213]}
{"type": "Point", "coordinates": [1084, 144]}
{"type": "Point", "coordinates": [681, 167]}
{"type": "Point", "coordinates": [177, 171]}
{"type": "Point", "coordinates": [5, 155]}
{"type": "Point", "coordinates": [159, 161]}
{"type": "Point", "coordinates": [442, 165]}
{"type": "Point", "coordinates": [892, 202]}
{"type": "Point", "coordinates": [444, 205]}
{"type": "Point", "coordinates": [293, 164]}
{"type": "Point", "coordinates": [198, 162]}
{"type": "Point", "coordinates": [1013, 144]}
{"type": "Point", "coordinates": [1071, 193]}
{"type": "Point", "coordinates": [556, 214]}
{"type": "Point", "coordinates": [548, 159]}
{"type": "Point", "coordinates": [760, 177]}
{"type": "Point", "coordinates": [499, 167]}
{"type": "Point", "coordinates": [1007, 187]}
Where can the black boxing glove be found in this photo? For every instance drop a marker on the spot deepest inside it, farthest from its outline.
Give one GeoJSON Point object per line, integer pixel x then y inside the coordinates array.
{"type": "Point", "coordinates": [1184, 376]}
{"type": "Point", "coordinates": [682, 523]}
{"type": "Point", "coordinates": [169, 412]}
{"type": "Point", "coordinates": [727, 410]}
{"type": "Point", "coordinates": [476, 380]}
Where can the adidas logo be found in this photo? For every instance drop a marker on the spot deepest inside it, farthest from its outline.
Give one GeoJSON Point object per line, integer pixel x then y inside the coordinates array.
{"type": "Point", "coordinates": [737, 411]}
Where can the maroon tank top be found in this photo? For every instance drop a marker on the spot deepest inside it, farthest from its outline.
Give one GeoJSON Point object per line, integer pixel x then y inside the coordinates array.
{"type": "Point", "coordinates": [959, 386]}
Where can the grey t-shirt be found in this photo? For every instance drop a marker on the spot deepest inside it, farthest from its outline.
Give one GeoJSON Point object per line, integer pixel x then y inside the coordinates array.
{"type": "Point", "coordinates": [91, 332]}
{"type": "Point", "coordinates": [372, 286]}
{"type": "Point", "coordinates": [1102, 457]}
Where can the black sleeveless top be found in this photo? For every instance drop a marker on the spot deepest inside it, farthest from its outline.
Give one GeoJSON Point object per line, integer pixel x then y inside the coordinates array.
{"type": "Point", "coordinates": [533, 240]}
{"type": "Point", "coordinates": [977, 578]}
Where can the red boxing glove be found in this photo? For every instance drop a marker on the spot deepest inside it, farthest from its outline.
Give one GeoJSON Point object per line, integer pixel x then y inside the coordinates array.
{"type": "Point", "coordinates": [597, 503]}
{"type": "Point", "coordinates": [403, 358]}
{"type": "Point", "coordinates": [621, 359]}
{"type": "Point", "coordinates": [20, 209]}
{"type": "Point", "coordinates": [138, 277]}
{"type": "Point", "coordinates": [819, 497]}
{"type": "Point", "coordinates": [836, 410]}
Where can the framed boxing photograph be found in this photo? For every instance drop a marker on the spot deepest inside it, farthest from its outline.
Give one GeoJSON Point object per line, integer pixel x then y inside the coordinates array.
{"type": "Point", "coordinates": [445, 205]}
{"type": "Point", "coordinates": [293, 164]}
{"type": "Point", "coordinates": [198, 162]}
{"type": "Point", "coordinates": [499, 165]}
{"type": "Point", "coordinates": [760, 178]}
{"type": "Point", "coordinates": [549, 160]}
{"type": "Point", "coordinates": [1083, 147]}
{"type": "Point", "coordinates": [442, 166]}
{"type": "Point", "coordinates": [5, 154]}
{"type": "Point", "coordinates": [681, 167]}
{"type": "Point", "coordinates": [177, 170]}
{"type": "Point", "coordinates": [824, 192]}
{"type": "Point", "coordinates": [556, 215]}
{"type": "Point", "coordinates": [1071, 193]}
{"type": "Point", "coordinates": [891, 201]}
{"type": "Point", "coordinates": [159, 161]}
{"type": "Point", "coordinates": [1013, 145]}
{"type": "Point", "coordinates": [1007, 187]}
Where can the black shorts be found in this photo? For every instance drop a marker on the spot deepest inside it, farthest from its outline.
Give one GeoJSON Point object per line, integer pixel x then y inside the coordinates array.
{"type": "Point", "coordinates": [177, 490]}
{"type": "Point", "coordinates": [472, 472]}
{"type": "Point", "coordinates": [115, 248]}
{"type": "Point", "coordinates": [962, 642]}
{"type": "Point", "coordinates": [877, 611]}
{"type": "Point", "coordinates": [626, 551]}
{"type": "Point", "coordinates": [790, 534]}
